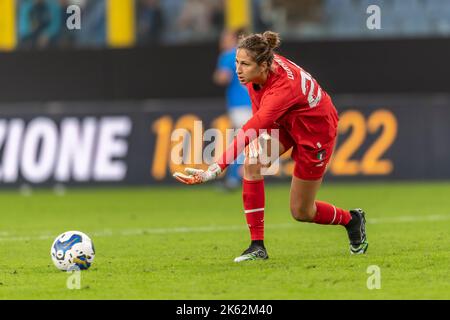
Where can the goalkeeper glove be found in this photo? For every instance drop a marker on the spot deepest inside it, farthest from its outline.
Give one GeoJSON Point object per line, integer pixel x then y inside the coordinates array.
{"type": "Point", "coordinates": [197, 176]}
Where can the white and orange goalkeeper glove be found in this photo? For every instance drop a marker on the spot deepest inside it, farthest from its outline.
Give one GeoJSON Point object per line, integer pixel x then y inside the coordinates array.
{"type": "Point", "coordinates": [197, 176]}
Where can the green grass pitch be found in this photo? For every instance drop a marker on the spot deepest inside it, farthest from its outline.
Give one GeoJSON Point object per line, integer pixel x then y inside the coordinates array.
{"type": "Point", "coordinates": [180, 242]}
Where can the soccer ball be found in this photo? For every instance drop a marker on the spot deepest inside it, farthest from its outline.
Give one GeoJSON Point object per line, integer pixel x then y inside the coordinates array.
{"type": "Point", "coordinates": [72, 250]}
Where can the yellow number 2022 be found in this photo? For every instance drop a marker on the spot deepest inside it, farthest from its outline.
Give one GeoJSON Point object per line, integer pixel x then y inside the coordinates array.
{"type": "Point", "coordinates": [371, 162]}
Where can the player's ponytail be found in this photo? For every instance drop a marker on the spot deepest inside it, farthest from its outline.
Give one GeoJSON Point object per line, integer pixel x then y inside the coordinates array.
{"type": "Point", "coordinates": [261, 46]}
{"type": "Point", "coordinates": [273, 39]}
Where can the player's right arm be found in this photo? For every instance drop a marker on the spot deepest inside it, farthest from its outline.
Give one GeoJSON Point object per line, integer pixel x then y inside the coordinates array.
{"type": "Point", "coordinates": [273, 106]}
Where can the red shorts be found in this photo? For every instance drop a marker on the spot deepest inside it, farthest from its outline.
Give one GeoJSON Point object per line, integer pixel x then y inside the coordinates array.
{"type": "Point", "coordinates": [313, 138]}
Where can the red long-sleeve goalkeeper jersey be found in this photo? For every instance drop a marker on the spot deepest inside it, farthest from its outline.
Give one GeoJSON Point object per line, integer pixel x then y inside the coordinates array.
{"type": "Point", "coordinates": [289, 94]}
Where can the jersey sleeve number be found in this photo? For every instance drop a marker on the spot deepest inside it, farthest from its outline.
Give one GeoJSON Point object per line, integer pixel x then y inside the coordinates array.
{"type": "Point", "coordinates": [312, 99]}
{"type": "Point", "coordinates": [305, 77]}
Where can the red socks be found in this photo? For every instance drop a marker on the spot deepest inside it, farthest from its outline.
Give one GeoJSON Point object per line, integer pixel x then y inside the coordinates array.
{"type": "Point", "coordinates": [253, 197]}
{"type": "Point", "coordinates": [329, 214]}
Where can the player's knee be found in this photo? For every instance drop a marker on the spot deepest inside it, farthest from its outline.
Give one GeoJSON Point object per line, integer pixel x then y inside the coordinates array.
{"type": "Point", "coordinates": [302, 213]}
{"type": "Point", "coordinates": [252, 171]}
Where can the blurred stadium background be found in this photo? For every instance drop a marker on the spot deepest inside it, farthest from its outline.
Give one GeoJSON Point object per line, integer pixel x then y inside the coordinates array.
{"type": "Point", "coordinates": [137, 69]}
{"type": "Point", "coordinates": [97, 106]}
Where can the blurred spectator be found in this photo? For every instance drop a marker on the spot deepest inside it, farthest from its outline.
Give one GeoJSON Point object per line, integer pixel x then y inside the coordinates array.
{"type": "Point", "coordinates": [68, 38]}
{"type": "Point", "coordinates": [195, 20]}
{"type": "Point", "coordinates": [300, 18]}
{"type": "Point", "coordinates": [150, 21]}
{"type": "Point", "coordinates": [39, 23]}
{"type": "Point", "coordinates": [93, 24]}
{"type": "Point", "coordinates": [218, 15]}
{"type": "Point", "coordinates": [261, 15]}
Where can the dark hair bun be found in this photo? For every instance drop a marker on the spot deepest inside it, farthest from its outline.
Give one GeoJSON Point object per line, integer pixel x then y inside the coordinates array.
{"type": "Point", "coordinates": [272, 38]}
{"type": "Point", "coordinates": [261, 46]}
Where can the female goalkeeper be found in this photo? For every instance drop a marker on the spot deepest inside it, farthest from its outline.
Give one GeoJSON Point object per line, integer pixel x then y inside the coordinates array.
{"type": "Point", "coordinates": [284, 97]}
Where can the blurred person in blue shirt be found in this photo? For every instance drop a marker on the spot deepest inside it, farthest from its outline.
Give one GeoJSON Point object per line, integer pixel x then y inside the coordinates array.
{"type": "Point", "coordinates": [150, 21]}
{"type": "Point", "coordinates": [40, 22]}
{"type": "Point", "coordinates": [238, 101]}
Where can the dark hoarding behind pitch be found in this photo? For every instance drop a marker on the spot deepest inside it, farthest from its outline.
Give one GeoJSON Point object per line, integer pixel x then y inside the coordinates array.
{"type": "Point", "coordinates": [134, 143]}
{"type": "Point", "coordinates": [372, 66]}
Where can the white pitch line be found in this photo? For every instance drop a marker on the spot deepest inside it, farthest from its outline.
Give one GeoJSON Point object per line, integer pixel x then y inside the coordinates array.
{"type": "Point", "coordinates": [400, 219]}
{"type": "Point", "coordinates": [5, 236]}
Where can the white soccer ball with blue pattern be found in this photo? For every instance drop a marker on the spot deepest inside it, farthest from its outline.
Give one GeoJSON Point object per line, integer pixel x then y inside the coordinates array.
{"type": "Point", "coordinates": [72, 250]}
